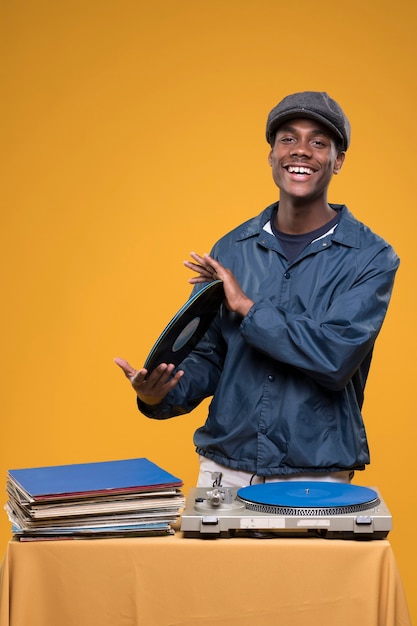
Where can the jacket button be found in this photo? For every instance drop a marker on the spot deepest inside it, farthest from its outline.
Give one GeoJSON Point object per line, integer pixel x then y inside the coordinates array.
{"type": "Point", "coordinates": [286, 275]}
{"type": "Point", "coordinates": [271, 378]}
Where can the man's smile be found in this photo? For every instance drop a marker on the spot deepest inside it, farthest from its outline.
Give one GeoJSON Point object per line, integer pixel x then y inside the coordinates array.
{"type": "Point", "coordinates": [299, 169]}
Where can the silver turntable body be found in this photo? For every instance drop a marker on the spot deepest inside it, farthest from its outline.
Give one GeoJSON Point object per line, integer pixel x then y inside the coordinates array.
{"type": "Point", "coordinates": [312, 509]}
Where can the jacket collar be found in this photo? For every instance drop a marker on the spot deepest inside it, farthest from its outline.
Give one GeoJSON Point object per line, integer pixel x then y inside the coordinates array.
{"type": "Point", "coordinates": [346, 233]}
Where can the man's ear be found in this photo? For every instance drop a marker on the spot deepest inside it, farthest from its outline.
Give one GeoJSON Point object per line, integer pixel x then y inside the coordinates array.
{"type": "Point", "coordinates": [270, 158]}
{"type": "Point", "coordinates": [339, 162]}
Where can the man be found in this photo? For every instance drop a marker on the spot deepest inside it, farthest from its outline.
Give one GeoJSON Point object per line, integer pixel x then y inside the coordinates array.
{"type": "Point", "coordinates": [286, 360]}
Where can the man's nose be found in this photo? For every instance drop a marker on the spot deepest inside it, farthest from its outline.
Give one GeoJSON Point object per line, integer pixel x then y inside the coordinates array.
{"type": "Point", "coordinates": [301, 148]}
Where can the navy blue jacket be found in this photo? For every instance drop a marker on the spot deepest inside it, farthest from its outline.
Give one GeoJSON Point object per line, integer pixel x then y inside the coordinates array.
{"type": "Point", "coordinates": [288, 379]}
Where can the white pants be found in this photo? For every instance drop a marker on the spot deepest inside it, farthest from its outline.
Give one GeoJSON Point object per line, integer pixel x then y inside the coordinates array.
{"type": "Point", "coordinates": [236, 478]}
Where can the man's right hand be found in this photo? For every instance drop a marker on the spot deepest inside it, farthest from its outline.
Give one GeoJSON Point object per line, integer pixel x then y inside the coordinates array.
{"type": "Point", "coordinates": [151, 389]}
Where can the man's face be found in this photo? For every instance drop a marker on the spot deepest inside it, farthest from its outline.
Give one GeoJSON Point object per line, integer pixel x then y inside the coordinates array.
{"type": "Point", "coordinates": [303, 160]}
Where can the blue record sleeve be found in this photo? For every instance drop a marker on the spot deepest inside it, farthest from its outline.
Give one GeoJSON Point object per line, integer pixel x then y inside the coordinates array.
{"type": "Point", "coordinates": [87, 479]}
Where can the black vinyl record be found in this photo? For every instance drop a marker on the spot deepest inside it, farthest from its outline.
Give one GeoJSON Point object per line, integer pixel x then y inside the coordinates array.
{"type": "Point", "coordinates": [187, 327]}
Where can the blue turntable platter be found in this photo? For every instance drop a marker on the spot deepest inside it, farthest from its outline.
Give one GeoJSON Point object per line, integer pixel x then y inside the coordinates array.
{"type": "Point", "coordinates": [301, 495]}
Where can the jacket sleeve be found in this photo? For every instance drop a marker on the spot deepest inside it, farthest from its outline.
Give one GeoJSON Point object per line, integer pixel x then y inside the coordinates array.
{"type": "Point", "coordinates": [331, 349]}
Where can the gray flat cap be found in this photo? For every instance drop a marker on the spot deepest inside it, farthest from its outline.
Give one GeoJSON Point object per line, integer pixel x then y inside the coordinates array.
{"type": "Point", "coordinates": [316, 105]}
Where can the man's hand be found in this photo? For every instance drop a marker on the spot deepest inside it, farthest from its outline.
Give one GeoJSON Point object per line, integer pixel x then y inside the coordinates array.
{"type": "Point", "coordinates": [209, 269]}
{"type": "Point", "coordinates": [151, 389]}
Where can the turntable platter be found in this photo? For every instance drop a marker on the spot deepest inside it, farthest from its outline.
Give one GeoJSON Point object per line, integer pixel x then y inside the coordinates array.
{"type": "Point", "coordinates": [305, 497]}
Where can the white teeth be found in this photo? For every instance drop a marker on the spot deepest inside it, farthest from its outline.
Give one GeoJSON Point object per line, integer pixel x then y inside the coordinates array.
{"type": "Point", "coordinates": [299, 170]}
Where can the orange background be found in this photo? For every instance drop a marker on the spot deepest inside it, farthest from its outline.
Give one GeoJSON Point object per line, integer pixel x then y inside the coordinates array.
{"type": "Point", "coordinates": [132, 133]}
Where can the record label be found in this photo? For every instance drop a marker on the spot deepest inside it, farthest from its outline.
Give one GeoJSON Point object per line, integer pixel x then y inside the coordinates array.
{"type": "Point", "coordinates": [186, 334]}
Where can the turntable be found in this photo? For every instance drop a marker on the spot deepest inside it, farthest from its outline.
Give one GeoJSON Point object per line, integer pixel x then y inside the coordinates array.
{"type": "Point", "coordinates": [287, 509]}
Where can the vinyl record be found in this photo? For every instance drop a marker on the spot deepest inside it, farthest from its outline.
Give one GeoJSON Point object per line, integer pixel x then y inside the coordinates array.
{"type": "Point", "coordinates": [187, 327]}
{"type": "Point", "coordinates": [308, 494]}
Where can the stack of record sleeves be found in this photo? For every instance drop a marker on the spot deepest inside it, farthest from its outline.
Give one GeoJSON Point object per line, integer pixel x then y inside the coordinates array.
{"type": "Point", "coordinates": [124, 498]}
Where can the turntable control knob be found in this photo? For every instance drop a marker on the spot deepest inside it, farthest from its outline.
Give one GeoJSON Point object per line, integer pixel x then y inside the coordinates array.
{"type": "Point", "coordinates": [215, 498]}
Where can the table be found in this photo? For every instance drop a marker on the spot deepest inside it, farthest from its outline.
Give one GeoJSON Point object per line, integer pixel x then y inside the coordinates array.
{"type": "Point", "coordinates": [176, 581]}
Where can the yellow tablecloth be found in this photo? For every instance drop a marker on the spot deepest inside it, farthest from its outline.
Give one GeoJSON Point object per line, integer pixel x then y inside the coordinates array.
{"type": "Point", "coordinates": [173, 581]}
